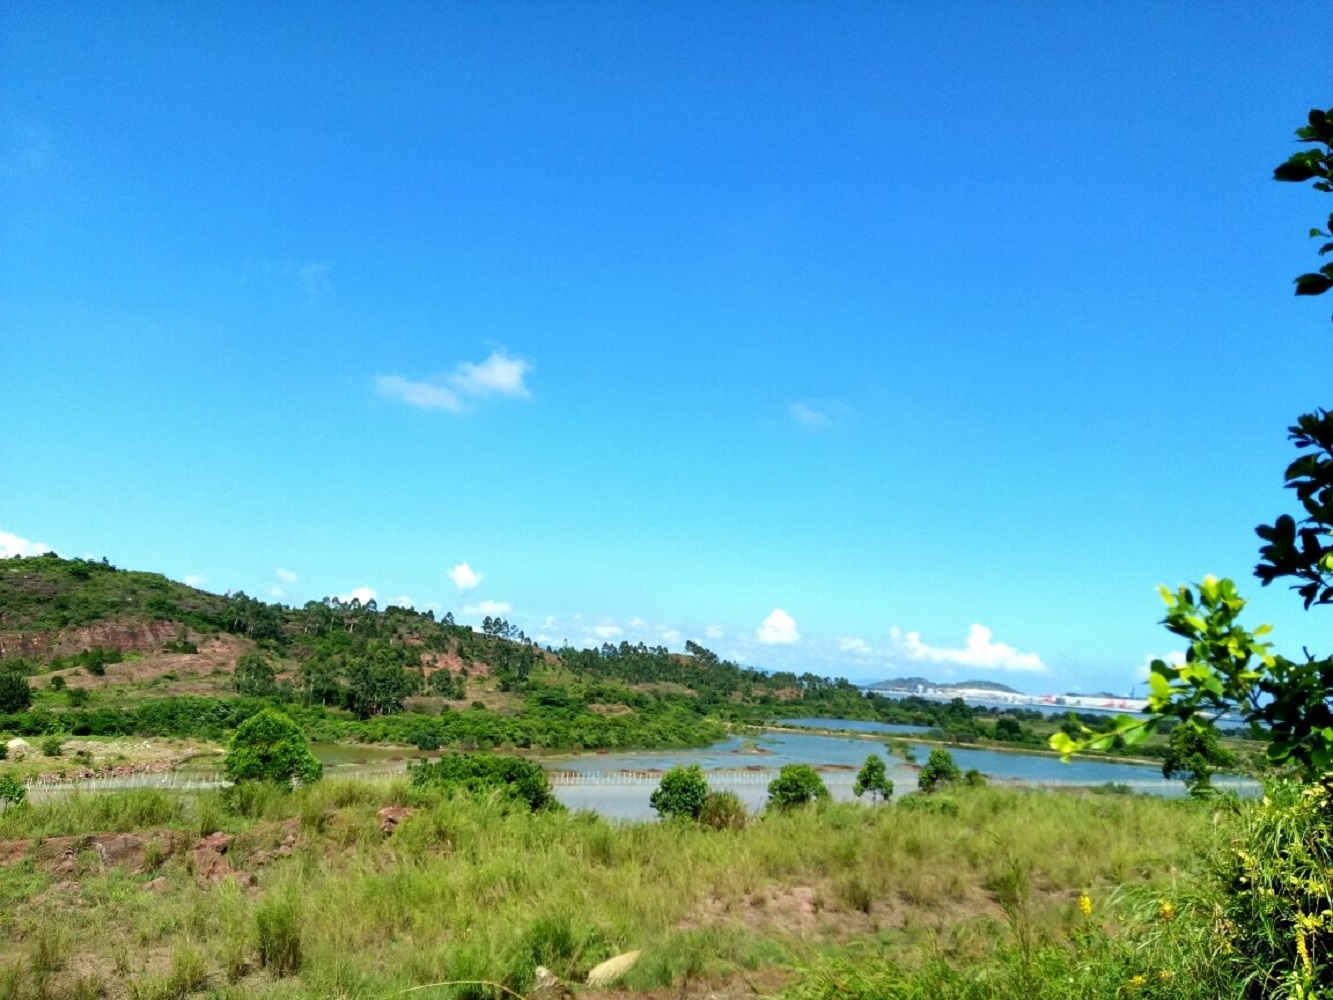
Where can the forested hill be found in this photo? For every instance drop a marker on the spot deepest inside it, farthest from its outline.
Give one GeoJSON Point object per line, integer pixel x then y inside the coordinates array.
{"type": "Point", "coordinates": [67, 615]}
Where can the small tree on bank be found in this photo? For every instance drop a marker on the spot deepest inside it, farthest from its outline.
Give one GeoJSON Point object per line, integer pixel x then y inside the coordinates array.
{"type": "Point", "coordinates": [681, 793]}
{"type": "Point", "coordinates": [940, 769]}
{"type": "Point", "coordinates": [271, 747]}
{"type": "Point", "coordinates": [795, 785]}
{"type": "Point", "coordinates": [873, 778]}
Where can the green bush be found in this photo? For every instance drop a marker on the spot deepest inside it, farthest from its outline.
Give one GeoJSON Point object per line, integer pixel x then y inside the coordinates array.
{"type": "Point", "coordinates": [483, 773]}
{"type": "Point", "coordinates": [254, 677]}
{"type": "Point", "coordinates": [1276, 886]}
{"type": "Point", "coordinates": [681, 793]}
{"type": "Point", "coordinates": [271, 747]}
{"type": "Point", "coordinates": [11, 789]}
{"type": "Point", "coordinates": [873, 778]}
{"type": "Point", "coordinates": [724, 811]}
{"type": "Point", "coordinates": [939, 769]}
{"type": "Point", "coordinates": [52, 746]}
{"type": "Point", "coordinates": [795, 785]}
{"type": "Point", "coordinates": [15, 695]}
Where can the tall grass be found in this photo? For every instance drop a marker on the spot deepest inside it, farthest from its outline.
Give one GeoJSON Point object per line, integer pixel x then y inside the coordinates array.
{"type": "Point", "coordinates": [474, 889]}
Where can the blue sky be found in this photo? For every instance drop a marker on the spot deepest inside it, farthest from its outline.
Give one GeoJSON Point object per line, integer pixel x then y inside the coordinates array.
{"type": "Point", "coordinates": [868, 339]}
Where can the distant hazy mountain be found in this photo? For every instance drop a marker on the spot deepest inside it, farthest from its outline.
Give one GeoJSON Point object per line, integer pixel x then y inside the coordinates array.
{"type": "Point", "coordinates": [912, 683]}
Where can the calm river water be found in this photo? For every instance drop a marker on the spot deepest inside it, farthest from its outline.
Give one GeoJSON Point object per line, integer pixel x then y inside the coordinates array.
{"type": "Point", "coordinates": [618, 785]}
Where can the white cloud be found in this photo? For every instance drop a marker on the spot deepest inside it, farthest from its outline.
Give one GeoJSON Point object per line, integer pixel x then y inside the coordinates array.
{"type": "Point", "coordinates": [363, 594]}
{"type": "Point", "coordinates": [423, 395]}
{"type": "Point", "coordinates": [464, 576]}
{"type": "Point", "coordinates": [778, 629]}
{"type": "Point", "coordinates": [855, 646]}
{"type": "Point", "coordinates": [978, 652]}
{"type": "Point", "coordinates": [13, 545]}
{"type": "Point", "coordinates": [671, 637]}
{"type": "Point", "coordinates": [276, 591]}
{"type": "Point", "coordinates": [1175, 658]}
{"type": "Point", "coordinates": [817, 414]}
{"type": "Point", "coordinates": [488, 608]}
{"type": "Point", "coordinates": [286, 576]}
{"type": "Point", "coordinates": [606, 631]}
{"type": "Point", "coordinates": [714, 632]}
{"type": "Point", "coordinates": [499, 375]}
{"type": "Point", "coordinates": [402, 601]}
{"type": "Point", "coordinates": [195, 580]}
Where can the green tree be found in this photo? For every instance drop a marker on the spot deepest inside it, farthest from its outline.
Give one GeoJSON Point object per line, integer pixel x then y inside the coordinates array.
{"type": "Point", "coordinates": [522, 781]}
{"type": "Point", "coordinates": [271, 747]}
{"type": "Point", "coordinates": [873, 778]}
{"type": "Point", "coordinates": [15, 695]}
{"type": "Point", "coordinates": [255, 677]}
{"type": "Point", "coordinates": [795, 785]}
{"type": "Point", "coordinates": [939, 769]}
{"type": "Point", "coordinates": [12, 791]}
{"type": "Point", "coordinates": [1193, 754]}
{"type": "Point", "coordinates": [681, 793]}
{"type": "Point", "coordinates": [378, 680]}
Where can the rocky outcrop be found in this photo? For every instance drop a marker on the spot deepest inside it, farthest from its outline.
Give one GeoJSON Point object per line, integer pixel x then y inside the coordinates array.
{"type": "Point", "coordinates": [143, 637]}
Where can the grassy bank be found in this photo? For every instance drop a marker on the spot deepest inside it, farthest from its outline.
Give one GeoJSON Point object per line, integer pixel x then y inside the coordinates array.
{"type": "Point", "coordinates": [468, 890]}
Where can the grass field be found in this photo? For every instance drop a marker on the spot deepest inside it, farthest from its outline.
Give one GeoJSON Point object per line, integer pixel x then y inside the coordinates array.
{"type": "Point", "coordinates": [312, 897]}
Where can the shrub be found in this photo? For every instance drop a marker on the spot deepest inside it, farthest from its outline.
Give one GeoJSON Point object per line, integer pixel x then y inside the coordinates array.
{"type": "Point", "coordinates": [482, 773]}
{"type": "Point", "coordinates": [11, 789]}
{"type": "Point", "coordinates": [940, 769]}
{"type": "Point", "coordinates": [51, 746]}
{"type": "Point", "coordinates": [795, 785]}
{"type": "Point", "coordinates": [271, 747]}
{"type": "Point", "coordinates": [681, 793]}
{"type": "Point", "coordinates": [15, 695]}
{"type": "Point", "coordinates": [724, 811]}
{"type": "Point", "coordinates": [254, 677]}
{"type": "Point", "coordinates": [56, 683]}
{"type": "Point", "coordinates": [1276, 893]}
{"type": "Point", "coordinates": [873, 778]}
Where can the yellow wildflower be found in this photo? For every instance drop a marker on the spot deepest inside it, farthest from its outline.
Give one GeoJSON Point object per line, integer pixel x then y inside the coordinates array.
{"type": "Point", "coordinates": [1136, 981]}
{"type": "Point", "coordinates": [1165, 975]}
{"type": "Point", "coordinates": [1303, 951]}
{"type": "Point", "coordinates": [1085, 905]}
{"type": "Point", "coordinates": [1166, 910]}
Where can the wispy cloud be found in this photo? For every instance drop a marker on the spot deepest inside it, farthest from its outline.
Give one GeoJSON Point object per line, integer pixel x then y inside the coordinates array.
{"type": "Point", "coordinates": [778, 629]}
{"type": "Point", "coordinates": [12, 545]}
{"type": "Point", "coordinates": [855, 646]}
{"type": "Point", "coordinates": [286, 575]}
{"type": "Point", "coordinates": [488, 608]}
{"type": "Point", "coordinates": [979, 651]}
{"type": "Point", "coordinates": [817, 414]}
{"type": "Point", "coordinates": [499, 375]}
{"type": "Point", "coordinates": [195, 580]}
{"type": "Point", "coordinates": [464, 576]}
{"type": "Point", "coordinates": [363, 594]}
